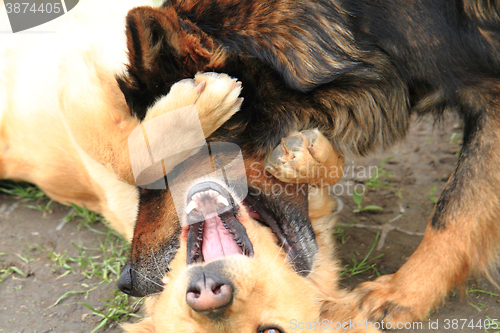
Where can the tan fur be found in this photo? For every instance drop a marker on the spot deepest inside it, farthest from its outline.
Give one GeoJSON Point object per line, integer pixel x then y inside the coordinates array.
{"type": "Point", "coordinates": [64, 122]}
{"type": "Point", "coordinates": [267, 288]}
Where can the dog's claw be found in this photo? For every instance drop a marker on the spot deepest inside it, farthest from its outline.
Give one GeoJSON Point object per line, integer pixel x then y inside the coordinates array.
{"type": "Point", "coordinates": [200, 87]}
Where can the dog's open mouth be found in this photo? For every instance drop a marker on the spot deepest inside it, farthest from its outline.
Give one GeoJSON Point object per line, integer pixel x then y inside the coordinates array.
{"type": "Point", "coordinates": [214, 230]}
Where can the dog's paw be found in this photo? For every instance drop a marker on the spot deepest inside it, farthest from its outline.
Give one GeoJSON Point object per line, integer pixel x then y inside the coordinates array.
{"type": "Point", "coordinates": [384, 300]}
{"type": "Point", "coordinates": [218, 100]}
{"type": "Point", "coordinates": [306, 157]}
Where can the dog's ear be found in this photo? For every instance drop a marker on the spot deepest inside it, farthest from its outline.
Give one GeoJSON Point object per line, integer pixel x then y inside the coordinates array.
{"type": "Point", "coordinates": [162, 49]}
{"type": "Point", "coordinates": [308, 42]}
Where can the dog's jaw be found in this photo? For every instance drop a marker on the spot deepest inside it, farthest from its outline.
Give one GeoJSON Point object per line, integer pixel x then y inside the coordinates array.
{"type": "Point", "coordinates": [214, 229]}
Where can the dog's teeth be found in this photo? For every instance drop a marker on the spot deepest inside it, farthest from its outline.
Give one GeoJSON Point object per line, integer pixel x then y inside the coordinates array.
{"type": "Point", "coordinates": [222, 200]}
{"type": "Point", "coordinates": [212, 192]}
{"type": "Point", "coordinates": [192, 205]}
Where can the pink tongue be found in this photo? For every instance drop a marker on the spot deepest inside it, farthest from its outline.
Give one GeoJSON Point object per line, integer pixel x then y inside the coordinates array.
{"type": "Point", "coordinates": [217, 241]}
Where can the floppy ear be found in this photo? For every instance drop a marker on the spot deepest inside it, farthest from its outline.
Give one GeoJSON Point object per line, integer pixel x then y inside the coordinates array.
{"type": "Point", "coordinates": [162, 49]}
{"type": "Point", "coordinates": [308, 42]}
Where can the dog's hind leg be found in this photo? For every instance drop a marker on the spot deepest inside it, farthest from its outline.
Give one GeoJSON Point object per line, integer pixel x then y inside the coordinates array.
{"type": "Point", "coordinates": [462, 237]}
{"type": "Point", "coordinates": [306, 157]}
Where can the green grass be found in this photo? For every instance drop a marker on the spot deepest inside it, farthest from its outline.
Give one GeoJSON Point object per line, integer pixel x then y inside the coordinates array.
{"type": "Point", "coordinates": [470, 290]}
{"type": "Point", "coordinates": [358, 200]}
{"type": "Point", "coordinates": [456, 138]}
{"type": "Point", "coordinates": [339, 233]}
{"type": "Point", "coordinates": [117, 308]}
{"type": "Point", "coordinates": [365, 265]}
{"type": "Point", "coordinates": [102, 263]}
{"type": "Point", "coordinates": [374, 182]}
{"type": "Point", "coordinates": [432, 196]}
{"type": "Point", "coordinates": [22, 191]}
{"type": "Point", "coordinates": [26, 192]}
{"type": "Point", "coordinates": [85, 218]}
{"type": "Point", "coordinates": [8, 271]}
{"type": "Point", "coordinates": [495, 326]}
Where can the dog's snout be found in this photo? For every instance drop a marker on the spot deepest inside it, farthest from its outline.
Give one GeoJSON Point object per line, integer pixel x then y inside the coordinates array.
{"type": "Point", "coordinates": [126, 281]}
{"type": "Point", "coordinates": [132, 283]}
{"type": "Point", "coordinates": [209, 294]}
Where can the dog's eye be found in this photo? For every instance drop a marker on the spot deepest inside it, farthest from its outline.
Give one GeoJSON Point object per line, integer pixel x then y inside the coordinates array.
{"type": "Point", "coordinates": [270, 330]}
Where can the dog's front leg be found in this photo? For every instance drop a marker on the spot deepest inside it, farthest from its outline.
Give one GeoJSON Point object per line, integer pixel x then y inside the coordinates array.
{"type": "Point", "coordinates": [462, 236]}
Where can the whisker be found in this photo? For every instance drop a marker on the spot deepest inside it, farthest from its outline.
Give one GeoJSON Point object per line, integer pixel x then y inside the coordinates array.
{"type": "Point", "coordinates": [148, 279]}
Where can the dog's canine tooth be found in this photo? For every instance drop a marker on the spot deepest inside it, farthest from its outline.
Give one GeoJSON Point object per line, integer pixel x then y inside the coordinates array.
{"type": "Point", "coordinates": [222, 200]}
{"type": "Point", "coordinates": [192, 205]}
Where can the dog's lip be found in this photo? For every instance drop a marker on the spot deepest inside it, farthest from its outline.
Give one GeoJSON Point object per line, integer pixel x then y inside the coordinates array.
{"type": "Point", "coordinates": [269, 221]}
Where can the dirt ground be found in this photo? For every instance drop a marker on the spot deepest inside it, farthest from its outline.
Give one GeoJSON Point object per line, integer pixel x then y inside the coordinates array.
{"type": "Point", "coordinates": [418, 170]}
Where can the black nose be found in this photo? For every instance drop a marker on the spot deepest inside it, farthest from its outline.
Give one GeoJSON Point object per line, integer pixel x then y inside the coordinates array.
{"type": "Point", "coordinates": [209, 294]}
{"type": "Point", "coordinates": [126, 282]}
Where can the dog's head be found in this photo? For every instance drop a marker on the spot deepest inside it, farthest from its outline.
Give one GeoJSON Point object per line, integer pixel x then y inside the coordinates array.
{"type": "Point", "coordinates": [249, 287]}
{"type": "Point", "coordinates": [211, 207]}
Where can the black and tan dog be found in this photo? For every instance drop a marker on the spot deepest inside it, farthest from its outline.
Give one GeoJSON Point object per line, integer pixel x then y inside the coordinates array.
{"type": "Point", "coordinates": [356, 70]}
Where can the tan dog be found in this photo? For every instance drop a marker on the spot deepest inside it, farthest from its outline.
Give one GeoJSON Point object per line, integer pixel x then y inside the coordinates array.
{"type": "Point", "coordinates": [257, 294]}
{"type": "Point", "coordinates": [64, 122]}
